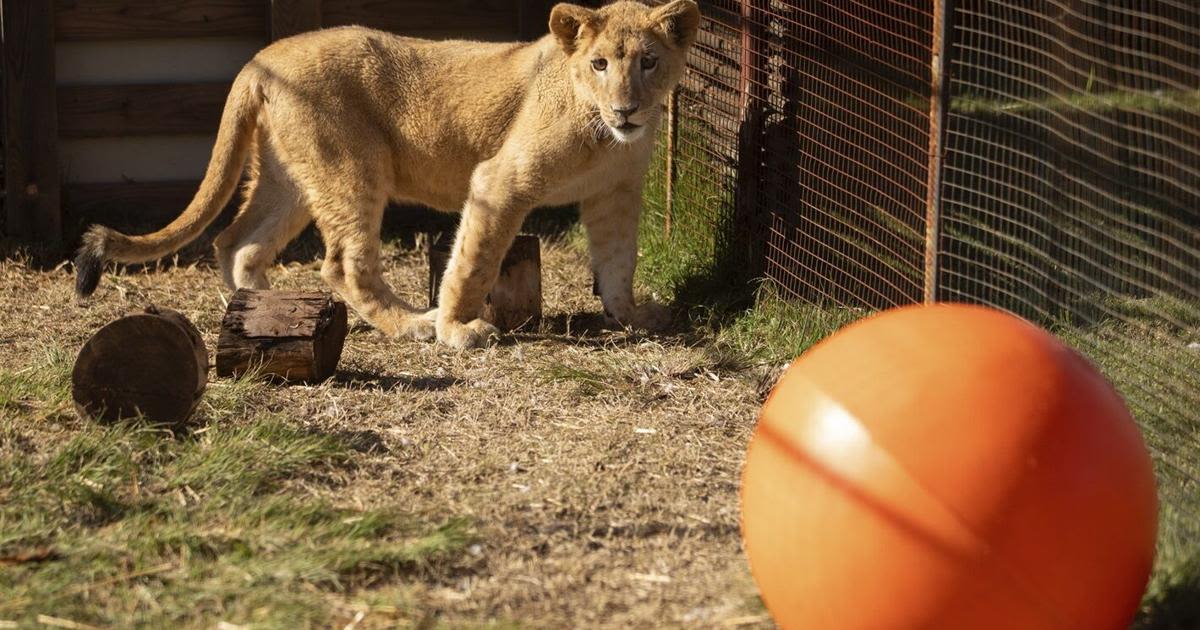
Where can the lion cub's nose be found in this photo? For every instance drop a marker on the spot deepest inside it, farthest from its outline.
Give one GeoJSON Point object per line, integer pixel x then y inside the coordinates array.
{"type": "Point", "coordinates": [625, 111]}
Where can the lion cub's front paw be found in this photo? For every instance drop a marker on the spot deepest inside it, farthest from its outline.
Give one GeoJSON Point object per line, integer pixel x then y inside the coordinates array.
{"type": "Point", "coordinates": [474, 334]}
{"type": "Point", "coordinates": [421, 327]}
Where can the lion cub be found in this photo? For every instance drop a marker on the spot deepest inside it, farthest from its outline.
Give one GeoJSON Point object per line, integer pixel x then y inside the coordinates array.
{"type": "Point", "coordinates": [334, 124]}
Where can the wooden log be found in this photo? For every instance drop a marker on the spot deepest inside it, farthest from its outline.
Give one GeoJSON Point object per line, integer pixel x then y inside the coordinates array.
{"type": "Point", "coordinates": [516, 298]}
{"type": "Point", "coordinates": [151, 364]}
{"type": "Point", "coordinates": [292, 336]}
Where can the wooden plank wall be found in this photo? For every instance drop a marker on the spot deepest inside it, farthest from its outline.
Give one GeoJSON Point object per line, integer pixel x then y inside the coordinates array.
{"type": "Point", "coordinates": [32, 185]}
{"type": "Point", "coordinates": [40, 113]}
{"type": "Point", "coordinates": [91, 20]}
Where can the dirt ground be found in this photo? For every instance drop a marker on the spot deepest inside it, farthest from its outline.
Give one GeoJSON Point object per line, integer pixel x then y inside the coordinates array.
{"type": "Point", "coordinates": [600, 470]}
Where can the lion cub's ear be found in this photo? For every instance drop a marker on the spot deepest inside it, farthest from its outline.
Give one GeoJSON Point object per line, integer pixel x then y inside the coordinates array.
{"type": "Point", "coordinates": [678, 22]}
{"type": "Point", "coordinates": [567, 22]}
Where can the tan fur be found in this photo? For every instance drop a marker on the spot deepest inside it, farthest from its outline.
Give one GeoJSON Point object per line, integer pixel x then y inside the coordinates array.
{"type": "Point", "coordinates": [338, 122]}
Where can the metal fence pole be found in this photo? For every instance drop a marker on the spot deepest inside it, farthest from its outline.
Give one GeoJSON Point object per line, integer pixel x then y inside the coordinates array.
{"type": "Point", "coordinates": [672, 147]}
{"type": "Point", "coordinates": [938, 104]}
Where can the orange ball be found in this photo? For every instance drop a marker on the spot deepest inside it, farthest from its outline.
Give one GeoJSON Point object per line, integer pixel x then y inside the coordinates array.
{"type": "Point", "coordinates": [947, 466]}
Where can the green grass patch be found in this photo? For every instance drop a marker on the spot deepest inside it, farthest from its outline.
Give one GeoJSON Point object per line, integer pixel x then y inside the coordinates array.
{"type": "Point", "coordinates": [685, 254]}
{"type": "Point", "coordinates": [1141, 101]}
{"type": "Point", "coordinates": [588, 383]}
{"type": "Point", "coordinates": [1173, 601]}
{"type": "Point", "coordinates": [1159, 101]}
{"type": "Point", "coordinates": [777, 330]}
{"type": "Point", "coordinates": [1142, 348]}
{"type": "Point", "coordinates": [1167, 317]}
{"type": "Point", "coordinates": [133, 525]}
{"type": "Point", "coordinates": [37, 391]}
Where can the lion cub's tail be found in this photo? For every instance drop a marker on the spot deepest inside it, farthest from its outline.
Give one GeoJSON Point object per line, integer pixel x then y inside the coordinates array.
{"type": "Point", "coordinates": [234, 138]}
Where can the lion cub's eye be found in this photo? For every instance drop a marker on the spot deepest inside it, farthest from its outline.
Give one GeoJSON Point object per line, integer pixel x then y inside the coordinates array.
{"type": "Point", "coordinates": [649, 63]}
{"type": "Point", "coordinates": [599, 65]}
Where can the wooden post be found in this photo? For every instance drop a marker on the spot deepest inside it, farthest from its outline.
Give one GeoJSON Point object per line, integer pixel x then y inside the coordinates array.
{"type": "Point", "coordinates": [939, 96]}
{"type": "Point", "coordinates": [516, 298]}
{"type": "Point", "coordinates": [290, 17]}
{"type": "Point", "coordinates": [292, 336]}
{"type": "Point", "coordinates": [32, 186]}
{"type": "Point", "coordinates": [152, 364]}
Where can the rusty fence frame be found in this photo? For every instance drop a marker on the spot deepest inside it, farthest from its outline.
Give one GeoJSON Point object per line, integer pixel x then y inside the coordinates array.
{"type": "Point", "coordinates": [939, 98]}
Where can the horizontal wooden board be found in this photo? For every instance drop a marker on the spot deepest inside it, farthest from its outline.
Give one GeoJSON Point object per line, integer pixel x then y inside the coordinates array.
{"type": "Point", "coordinates": [153, 61]}
{"type": "Point", "coordinates": [148, 205]}
{"type": "Point", "coordinates": [138, 158]}
{"type": "Point", "coordinates": [142, 207]}
{"type": "Point", "coordinates": [92, 111]}
{"type": "Point", "coordinates": [533, 19]}
{"type": "Point", "coordinates": [84, 20]}
{"type": "Point", "coordinates": [136, 208]}
{"type": "Point", "coordinates": [289, 17]}
{"type": "Point", "coordinates": [90, 20]}
{"type": "Point", "coordinates": [489, 20]}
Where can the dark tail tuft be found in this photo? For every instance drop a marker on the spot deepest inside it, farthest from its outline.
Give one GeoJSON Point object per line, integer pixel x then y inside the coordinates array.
{"type": "Point", "coordinates": [87, 273]}
{"type": "Point", "coordinates": [89, 263]}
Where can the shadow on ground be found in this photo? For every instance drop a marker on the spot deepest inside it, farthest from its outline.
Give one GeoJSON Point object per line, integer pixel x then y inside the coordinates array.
{"type": "Point", "coordinates": [362, 381]}
{"type": "Point", "coordinates": [1176, 608]}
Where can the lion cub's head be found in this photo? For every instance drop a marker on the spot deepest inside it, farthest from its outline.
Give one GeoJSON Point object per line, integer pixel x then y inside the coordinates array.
{"type": "Point", "coordinates": [626, 57]}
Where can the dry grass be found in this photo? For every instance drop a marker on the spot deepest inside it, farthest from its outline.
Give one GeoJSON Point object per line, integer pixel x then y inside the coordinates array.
{"type": "Point", "coordinates": [597, 472]}
{"type": "Point", "coordinates": [570, 477]}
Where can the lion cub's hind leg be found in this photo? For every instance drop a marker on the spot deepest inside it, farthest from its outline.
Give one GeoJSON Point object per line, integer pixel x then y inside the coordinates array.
{"type": "Point", "coordinates": [353, 268]}
{"type": "Point", "coordinates": [272, 214]}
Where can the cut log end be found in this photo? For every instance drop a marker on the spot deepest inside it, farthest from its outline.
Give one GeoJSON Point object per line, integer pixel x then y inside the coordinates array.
{"type": "Point", "coordinates": [150, 365]}
{"type": "Point", "coordinates": [289, 336]}
{"type": "Point", "coordinates": [515, 301]}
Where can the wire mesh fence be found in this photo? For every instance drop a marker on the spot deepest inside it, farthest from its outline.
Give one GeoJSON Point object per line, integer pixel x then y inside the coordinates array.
{"type": "Point", "coordinates": [1051, 168]}
{"type": "Point", "coordinates": [845, 221]}
{"type": "Point", "coordinates": [1071, 195]}
{"type": "Point", "coordinates": [799, 147]}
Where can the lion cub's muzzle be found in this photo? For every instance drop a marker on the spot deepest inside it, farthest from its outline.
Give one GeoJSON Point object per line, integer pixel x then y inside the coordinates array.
{"type": "Point", "coordinates": [623, 125]}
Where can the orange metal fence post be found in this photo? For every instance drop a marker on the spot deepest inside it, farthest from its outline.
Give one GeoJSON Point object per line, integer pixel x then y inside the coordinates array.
{"type": "Point", "coordinates": [672, 147]}
{"type": "Point", "coordinates": [938, 100]}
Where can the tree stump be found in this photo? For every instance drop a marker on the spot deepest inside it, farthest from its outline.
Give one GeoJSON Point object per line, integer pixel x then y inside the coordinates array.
{"type": "Point", "coordinates": [291, 336]}
{"type": "Point", "coordinates": [516, 298]}
{"type": "Point", "coordinates": [151, 364]}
